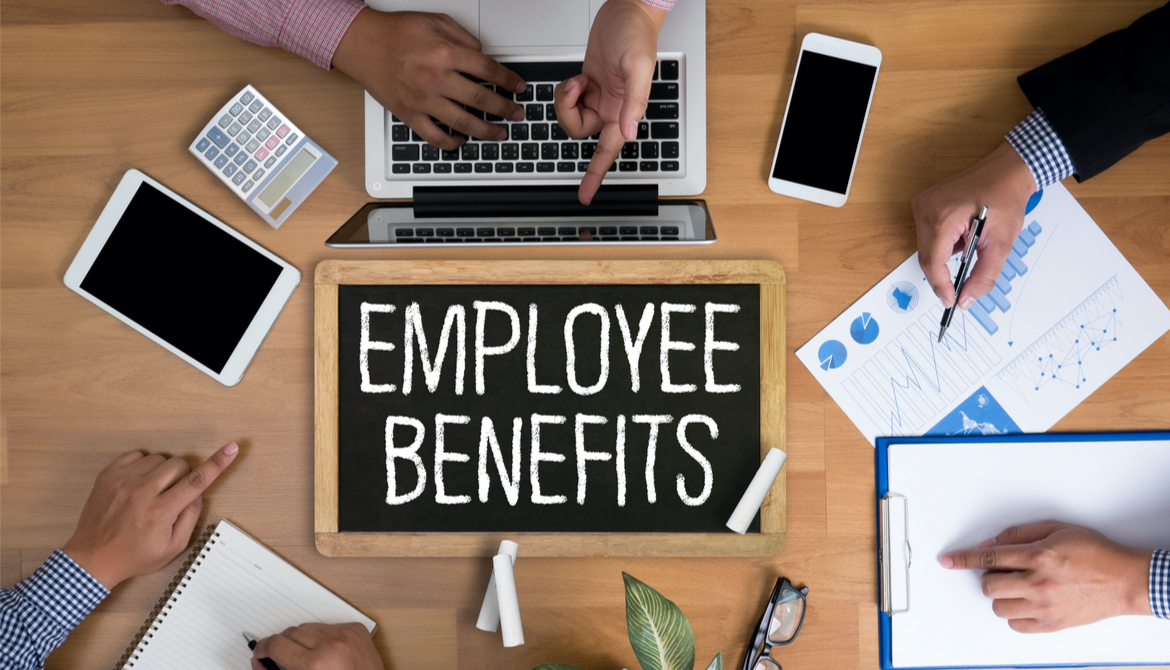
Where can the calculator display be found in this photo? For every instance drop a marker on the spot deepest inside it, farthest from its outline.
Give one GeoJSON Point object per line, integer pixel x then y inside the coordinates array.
{"type": "Point", "coordinates": [282, 182]}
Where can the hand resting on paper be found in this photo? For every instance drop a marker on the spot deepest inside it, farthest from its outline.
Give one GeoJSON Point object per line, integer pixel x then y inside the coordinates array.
{"type": "Point", "coordinates": [318, 646]}
{"type": "Point", "coordinates": [141, 513]}
{"type": "Point", "coordinates": [1047, 576]}
{"type": "Point", "coordinates": [943, 216]}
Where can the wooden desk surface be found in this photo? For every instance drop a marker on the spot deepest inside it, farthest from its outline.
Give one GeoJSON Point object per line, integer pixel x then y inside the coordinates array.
{"type": "Point", "coordinates": [91, 89]}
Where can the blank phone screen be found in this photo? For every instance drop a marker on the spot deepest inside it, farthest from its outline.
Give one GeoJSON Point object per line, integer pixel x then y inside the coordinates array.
{"type": "Point", "coordinates": [181, 277]}
{"type": "Point", "coordinates": [825, 117]}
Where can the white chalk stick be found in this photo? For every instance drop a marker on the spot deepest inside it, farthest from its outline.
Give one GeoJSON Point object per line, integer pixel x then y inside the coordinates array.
{"type": "Point", "coordinates": [509, 602]}
{"type": "Point", "coordinates": [489, 613]}
{"type": "Point", "coordinates": [754, 496]}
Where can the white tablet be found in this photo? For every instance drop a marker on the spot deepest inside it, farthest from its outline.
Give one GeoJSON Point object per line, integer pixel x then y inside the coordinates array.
{"type": "Point", "coordinates": [181, 277]}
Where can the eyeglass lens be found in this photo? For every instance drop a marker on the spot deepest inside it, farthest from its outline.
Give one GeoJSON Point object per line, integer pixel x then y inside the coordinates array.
{"type": "Point", "coordinates": [766, 663]}
{"type": "Point", "coordinates": [786, 618]}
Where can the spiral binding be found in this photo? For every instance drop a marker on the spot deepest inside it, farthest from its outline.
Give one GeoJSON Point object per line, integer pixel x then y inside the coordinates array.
{"type": "Point", "coordinates": [173, 591]}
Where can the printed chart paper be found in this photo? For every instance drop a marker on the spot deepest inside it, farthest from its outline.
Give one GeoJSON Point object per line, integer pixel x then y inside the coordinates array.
{"type": "Point", "coordinates": [1067, 313]}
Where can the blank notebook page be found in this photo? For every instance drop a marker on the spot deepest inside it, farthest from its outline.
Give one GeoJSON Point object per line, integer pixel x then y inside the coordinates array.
{"type": "Point", "coordinates": [958, 495]}
{"type": "Point", "coordinates": [235, 585]}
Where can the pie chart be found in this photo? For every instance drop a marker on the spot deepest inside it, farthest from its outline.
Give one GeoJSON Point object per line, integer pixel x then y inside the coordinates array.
{"type": "Point", "coordinates": [1033, 201]}
{"type": "Point", "coordinates": [831, 355]}
{"type": "Point", "coordinates": [864, 329]}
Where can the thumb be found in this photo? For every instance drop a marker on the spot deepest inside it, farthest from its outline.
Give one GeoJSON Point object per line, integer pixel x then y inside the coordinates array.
{"type": "Point", "coordinates": [984, 272]}
{"type": "Point", "coordinates": [639, 72]}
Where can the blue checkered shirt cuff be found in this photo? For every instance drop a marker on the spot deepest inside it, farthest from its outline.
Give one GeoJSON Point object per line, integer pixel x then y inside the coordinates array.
{"type": "Point", "coordinates": [1160, 584]}
{"type": "Point", "coordinates": [38, 614]}
{"type": "Point", "coordinates": [1041, 148]}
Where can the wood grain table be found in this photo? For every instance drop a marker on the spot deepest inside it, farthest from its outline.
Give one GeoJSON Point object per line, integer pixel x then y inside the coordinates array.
{"type": "Point", "coordinates": [89, 89]}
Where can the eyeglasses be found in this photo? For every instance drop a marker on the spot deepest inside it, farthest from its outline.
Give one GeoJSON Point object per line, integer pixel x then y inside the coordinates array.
{"type": "Point", "coordinates": [779, 625]}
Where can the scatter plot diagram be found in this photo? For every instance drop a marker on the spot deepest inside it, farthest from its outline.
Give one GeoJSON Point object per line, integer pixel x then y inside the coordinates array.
{"type": "Point", "coordinates": [1063, 356]}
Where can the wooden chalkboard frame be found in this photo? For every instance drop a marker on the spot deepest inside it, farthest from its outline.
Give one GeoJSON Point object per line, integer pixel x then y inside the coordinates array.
{"type": "Point", "coordinates": [769, 275]}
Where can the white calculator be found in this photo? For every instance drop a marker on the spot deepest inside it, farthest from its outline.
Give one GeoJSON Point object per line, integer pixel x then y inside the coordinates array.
{"type": "Point", "coordinates": [262, 156]}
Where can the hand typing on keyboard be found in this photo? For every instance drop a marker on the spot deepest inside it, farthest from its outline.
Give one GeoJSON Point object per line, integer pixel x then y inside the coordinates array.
{"type": "Point", "coordinates": [413, 64]}
{"type": "Point", "coordinates": [611, 93]}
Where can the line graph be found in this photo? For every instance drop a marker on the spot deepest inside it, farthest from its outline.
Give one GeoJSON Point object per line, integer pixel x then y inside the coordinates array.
{"type": "Point", "coordinates": [906, 384]}
{"type": "Point", "coordinates": [1058, 357]}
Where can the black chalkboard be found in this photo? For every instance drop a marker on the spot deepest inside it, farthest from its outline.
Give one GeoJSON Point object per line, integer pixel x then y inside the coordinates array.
{"type": "Point", "coordinates": [728, 399]}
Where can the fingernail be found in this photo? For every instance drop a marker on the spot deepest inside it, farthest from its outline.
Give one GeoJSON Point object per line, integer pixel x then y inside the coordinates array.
{"type": "Point", "coordinates": [631, 130]}
{"type": "Point", "coordinates": [518, 115]}
{"type": "Point", "coordinates": [231, 449]}
{"type": "Point", "coordinates": [502, 135]}
{"type": "Point", "coordinates": [966, 301]}
{"type": "Point", "coordinates": [946, 561]}
{"type": "Point", "coordinates": [521, 87]}
{"type": "Point", "coordinates": [986, 543]}
{"type": "Point", "coordinates": [570, 84]}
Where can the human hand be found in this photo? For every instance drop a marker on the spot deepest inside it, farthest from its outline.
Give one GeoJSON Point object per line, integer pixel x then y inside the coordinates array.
{"type": "Point", "coordinates": [611, 93]}
{"type": "Point", "coordinates": [943, 215]}
{"type": "Point", "coordinates": [411, 63]}
{"type": "Point", "coordinates": [1050, 575]}
{"type": "Point", "coordinates": [141, 513]}
{"type": "Point", "coordinates": [318, 646]}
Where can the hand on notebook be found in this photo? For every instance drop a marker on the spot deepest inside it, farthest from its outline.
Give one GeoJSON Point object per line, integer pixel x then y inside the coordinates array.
{"type": "Point", "coordinates": [311, 646]}
{"type": "Point", "coordinates": [1051, 575]}
{"type": "Point", "coordinates": [413, 64]}
{"type": "Point", "coordinates": [141, 513]}
{"type": "Point", "coordinates": [611, 93]}
{"type": "Point", "coordinates": [943, 215]}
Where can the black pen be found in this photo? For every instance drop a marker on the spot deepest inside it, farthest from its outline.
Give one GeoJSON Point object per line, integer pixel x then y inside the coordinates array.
{"type": "Point", "coordinates": [964, 266]}
{"type": "Point", "coordinates": [268, 663]}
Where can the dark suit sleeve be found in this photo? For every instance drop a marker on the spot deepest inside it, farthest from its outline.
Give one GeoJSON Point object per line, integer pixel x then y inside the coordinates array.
{"type": "Point", "coordinates": [1108, 98]}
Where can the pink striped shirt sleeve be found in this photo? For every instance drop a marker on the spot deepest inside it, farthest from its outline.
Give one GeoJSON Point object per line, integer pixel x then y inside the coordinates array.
{"type": "Point", "coordinates": [661, 4]}
{"type": "Point", "coordinates": [308, 28]}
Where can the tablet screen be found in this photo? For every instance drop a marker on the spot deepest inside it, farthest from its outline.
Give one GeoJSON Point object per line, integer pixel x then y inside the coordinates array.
{"type": "Point", "coordinates": [181, 277]}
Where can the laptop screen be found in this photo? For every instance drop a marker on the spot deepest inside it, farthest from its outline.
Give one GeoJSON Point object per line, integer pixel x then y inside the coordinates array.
{"type": "Point", "coordinates": [389, 224]}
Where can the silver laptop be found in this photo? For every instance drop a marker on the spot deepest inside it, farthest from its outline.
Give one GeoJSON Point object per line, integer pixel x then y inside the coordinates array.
{"type": "Point", "coordinates": [544, 42]}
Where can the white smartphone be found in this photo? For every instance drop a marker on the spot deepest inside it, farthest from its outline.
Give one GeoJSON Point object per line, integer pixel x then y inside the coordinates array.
{"type": "Point", "coordinates": [827, 108]}
{"type": "Point", "coordinates": [181, 277]}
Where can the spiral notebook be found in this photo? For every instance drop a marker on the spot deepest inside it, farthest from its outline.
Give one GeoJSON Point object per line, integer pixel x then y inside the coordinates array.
{"type": "Point", "coordinates": [229, 585]}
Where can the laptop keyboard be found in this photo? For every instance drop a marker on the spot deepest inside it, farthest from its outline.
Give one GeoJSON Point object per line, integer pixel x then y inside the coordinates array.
{"type": "Point", "coordinates": [519, 233]}
{"type": "Point", "coordinates": [538, 148]}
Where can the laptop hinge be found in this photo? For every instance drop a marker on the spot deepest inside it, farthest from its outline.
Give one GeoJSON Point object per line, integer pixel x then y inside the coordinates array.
{"type": "Point", "coordinates": [521, 201]}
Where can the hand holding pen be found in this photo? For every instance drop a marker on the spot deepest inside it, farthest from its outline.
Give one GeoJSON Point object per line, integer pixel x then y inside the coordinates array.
{"type": "Point", "coordinates": [942, 217]}
{"type": "Point", "coordinates": [345, 646]}
{"type": "Point", "coordinates": [964, 266]}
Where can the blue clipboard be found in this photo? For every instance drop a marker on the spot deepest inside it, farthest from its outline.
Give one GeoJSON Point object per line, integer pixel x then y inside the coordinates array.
{"type": "Point", "coordinates": [881, 475]}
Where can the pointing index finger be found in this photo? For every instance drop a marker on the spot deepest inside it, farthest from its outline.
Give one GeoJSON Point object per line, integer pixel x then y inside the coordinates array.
{"type": "Point", "coordinates": [608, 147]}
{"type": "Point", "coordinates": [196, 482]}
{"type": "Point", "coordinates": [991, 558]}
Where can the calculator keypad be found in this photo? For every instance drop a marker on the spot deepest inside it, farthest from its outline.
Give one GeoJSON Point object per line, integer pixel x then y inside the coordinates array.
{"type": "Point", "coordinates": [245, 140]}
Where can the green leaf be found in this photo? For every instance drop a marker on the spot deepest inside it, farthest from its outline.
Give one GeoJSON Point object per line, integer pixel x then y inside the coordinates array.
{"type": "Point", "coordinates": [659, 632]}
{"type": "Point", "coordinates": [554, 666]}
{"type": "Point", "coordinates": [717, 662]}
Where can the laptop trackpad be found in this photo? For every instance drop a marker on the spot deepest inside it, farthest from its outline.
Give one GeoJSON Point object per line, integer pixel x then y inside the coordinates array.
{"type": "Point", "coordinates": [525, 23]}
